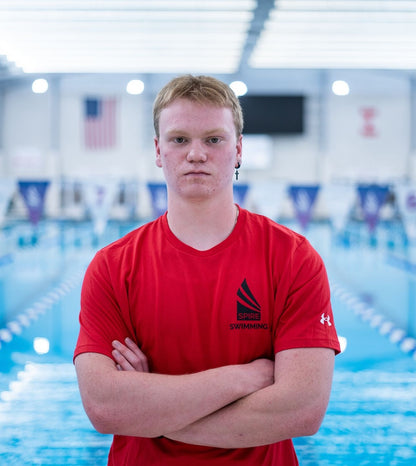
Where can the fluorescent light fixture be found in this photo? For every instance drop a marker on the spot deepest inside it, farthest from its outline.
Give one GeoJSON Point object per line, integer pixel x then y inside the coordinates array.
{"type": "Point", "coordinates": [142, 36]}
{"type": "Point", "coordinates": [40, 86]}
{"type": "Point", "coordinates": [342, 16]}
{"type": "Point", "coordinates": [338, 34]}
{"type": "Point", "coordinates": [345, 5]}
{"type": "Point", "coordinates": [18, 5]}
{"type": "Point", "coordinates": [140, 16]}
{"type": "Point", "coordinates": [239, 88]}
{"type": "Point", "coordinates": [340, 88]}
{"type": "Point", "coordinates": [135, 87]}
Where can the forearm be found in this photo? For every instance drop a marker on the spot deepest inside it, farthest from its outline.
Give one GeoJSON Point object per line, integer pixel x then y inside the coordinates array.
{"type": "Point", "coordinates": [148, 405]}
{"type": "Point", "coordinates": [293, 406]}
{"type": "Point", "coordinates": [258, 419]}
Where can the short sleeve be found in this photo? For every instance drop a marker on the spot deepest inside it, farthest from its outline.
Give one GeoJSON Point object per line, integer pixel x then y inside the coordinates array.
{"type": "Point", "coordinates": [306, 319]}
{"type": "Point", "coordinates": [102, 316]}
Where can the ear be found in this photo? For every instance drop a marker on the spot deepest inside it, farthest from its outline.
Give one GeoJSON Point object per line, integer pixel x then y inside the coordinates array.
{"type": "Point", "coordinates": [239, 147]}
{"type": "Point", "coordinates": [158, 157]}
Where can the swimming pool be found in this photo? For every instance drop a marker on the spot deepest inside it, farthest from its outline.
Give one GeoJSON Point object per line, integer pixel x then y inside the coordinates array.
{"type": "Point", "coordinates": [371, 417]}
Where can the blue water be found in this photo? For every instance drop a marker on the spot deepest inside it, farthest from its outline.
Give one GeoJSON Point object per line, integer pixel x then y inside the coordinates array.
{"type": "Point", "coordinates": [371, 417]}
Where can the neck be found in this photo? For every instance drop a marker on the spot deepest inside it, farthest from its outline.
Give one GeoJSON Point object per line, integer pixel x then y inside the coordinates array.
{"type": "Point", "coordinates": [202, 225]}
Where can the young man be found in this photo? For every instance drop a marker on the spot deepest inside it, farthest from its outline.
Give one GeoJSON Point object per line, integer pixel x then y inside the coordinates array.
{"type": "Point", "coordinates": [206, 335]}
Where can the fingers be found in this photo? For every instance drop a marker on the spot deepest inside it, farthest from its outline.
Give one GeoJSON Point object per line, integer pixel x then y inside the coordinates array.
{"type": "Point", "coordinates": [122, 363]}
{"type": "Point", "coordinates": [129, 357]}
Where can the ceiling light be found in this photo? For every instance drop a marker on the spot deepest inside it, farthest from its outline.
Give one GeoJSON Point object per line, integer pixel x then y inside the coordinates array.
{"type": "Point", "coordinates": [239, 88]}
{"type": "Point", "coordinates": [340, 88]}
{"type": "Point", "coordinates": [135, 87]}
{"type": "Point", "coordinates": [39, 86]}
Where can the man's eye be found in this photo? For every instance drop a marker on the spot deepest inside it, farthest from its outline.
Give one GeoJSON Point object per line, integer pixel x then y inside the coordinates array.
{"type": "Point", "coordinates": [214, 140]}
{"type": "Point", "coordinates": [179, 140]}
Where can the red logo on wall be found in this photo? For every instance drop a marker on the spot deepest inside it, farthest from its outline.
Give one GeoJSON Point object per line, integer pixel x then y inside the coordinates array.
{"type": "Point", "coordinates": [368, 129]}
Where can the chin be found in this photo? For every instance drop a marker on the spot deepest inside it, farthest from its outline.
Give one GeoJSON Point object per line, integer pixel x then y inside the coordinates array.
{"type": "Point", "coordinates": [196, 192]}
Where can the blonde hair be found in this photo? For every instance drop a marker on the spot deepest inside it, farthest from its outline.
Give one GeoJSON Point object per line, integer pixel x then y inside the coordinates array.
{"type": "Point", "coordinates": [201, 89]}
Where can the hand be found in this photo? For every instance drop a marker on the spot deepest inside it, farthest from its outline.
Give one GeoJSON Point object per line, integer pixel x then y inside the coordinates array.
{"type": "Point", "coordinates": [129, 357]}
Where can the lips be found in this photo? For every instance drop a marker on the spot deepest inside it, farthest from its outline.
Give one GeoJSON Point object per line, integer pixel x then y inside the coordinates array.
{"type": "Point", "coordinates": [197, 173]}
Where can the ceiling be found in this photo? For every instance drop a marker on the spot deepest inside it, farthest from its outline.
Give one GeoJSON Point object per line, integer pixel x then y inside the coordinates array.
{"type": "Point", "coordinates": [231, 37]}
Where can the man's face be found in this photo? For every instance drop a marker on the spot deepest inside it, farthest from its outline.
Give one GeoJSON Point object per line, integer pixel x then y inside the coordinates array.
{"type": "Point", "coordinates": [197, 148]}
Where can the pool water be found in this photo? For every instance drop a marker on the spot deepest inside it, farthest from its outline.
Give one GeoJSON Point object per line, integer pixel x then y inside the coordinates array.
{"type": "Point", "coordinates": [371, 417]}
{"type": "Point", "coordinates": [42, 422]}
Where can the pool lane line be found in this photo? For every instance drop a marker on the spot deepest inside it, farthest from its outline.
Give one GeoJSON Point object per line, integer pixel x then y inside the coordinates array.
{"type": "Point", "coordinates": [40, 307]}
{"type": "Point", "coordinates": [401, 263]}
{"type": "Point", "coordinates": [376, 320]}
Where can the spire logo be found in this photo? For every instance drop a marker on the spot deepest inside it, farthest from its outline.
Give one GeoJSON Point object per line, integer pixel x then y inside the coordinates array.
{"type": "Point", "coordinates": [247, 306]}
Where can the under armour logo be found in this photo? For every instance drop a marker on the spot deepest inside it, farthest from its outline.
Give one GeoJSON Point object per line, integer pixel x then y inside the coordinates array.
{"type": "Point", "coordinates": [326, 319]}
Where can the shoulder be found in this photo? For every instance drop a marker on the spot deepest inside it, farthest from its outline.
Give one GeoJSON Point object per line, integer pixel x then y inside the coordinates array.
{"type": "Point", "coordinates": [271, 231]}
{"type": "Point", "coordinates": [125, 249]}
{"type": "Point", "coordinates": [286, 247]}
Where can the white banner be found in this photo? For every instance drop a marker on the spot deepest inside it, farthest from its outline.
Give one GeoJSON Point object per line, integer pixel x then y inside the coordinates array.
{"type": "Point", "coordinates": [339, 199]}
{"type": "Point", "coordinates": [99, 198]}
{"type": "Point", "coordinates": [7, 188]}
{"type": "Point", "coordinates": [406, 201]}
{"type": "Point", "coordinates": [266, 198]}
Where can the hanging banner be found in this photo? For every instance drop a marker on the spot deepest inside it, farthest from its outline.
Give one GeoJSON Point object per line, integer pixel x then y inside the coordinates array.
{"type": "Point", "coordinates": [406, 201]}
{"type": "Point", "coordinates": [7, 187]}
{"type": "Point", "coordinates": [128, 194]}
{"type": "Point", "coordinates": [33, 193]}
{"type": "Point", "coordinates": [303, 198]}
{"type": "Point", "coordinates": [240, 192]}
{"type": "Point", "coordinates": [159, 198]}
{"type": "Point", "coordinates": [372, 198]}
{"type": "Point", "coordinates": [99, 198]}
{"type": "Point", "coordinates": [339, 199]}
{"type": "Point", "coordinates": [267, 198]}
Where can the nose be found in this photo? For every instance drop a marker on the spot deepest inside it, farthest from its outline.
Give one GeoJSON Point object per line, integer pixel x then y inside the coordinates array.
{"type": "Point", "coordinates": [196, 152]}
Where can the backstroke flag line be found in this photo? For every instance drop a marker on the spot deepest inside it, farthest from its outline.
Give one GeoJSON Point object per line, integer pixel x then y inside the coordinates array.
{"type": "Point", "coordinates": [99, 123]}
{"type": "Point", "coordinates": [159, 198]}
{"type": "Point", "coordinates": [7, 187]}
{"type": "Point", "coordinates": [99, 197]}
{"type": "Point", "coordinates": [240, 193]}
{"type": "Point", "coordinates": [372, 199]}
{"type": "Point", "coordinates": [406, 200]}
{"type": "Point", "coordinates": [33, 193]}
{"type": "Point", "coordinates": [339, 199]}
{"type": "Point", "coordinates": [303, 198]}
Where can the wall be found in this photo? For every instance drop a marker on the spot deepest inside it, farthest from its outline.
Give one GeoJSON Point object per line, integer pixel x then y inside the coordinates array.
{"type": "Point", "coordinates": [42, 134]}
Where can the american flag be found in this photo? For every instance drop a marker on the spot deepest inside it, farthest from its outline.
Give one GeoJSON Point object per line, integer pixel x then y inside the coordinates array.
{"type": "Point", "coordinates": [99, 123]}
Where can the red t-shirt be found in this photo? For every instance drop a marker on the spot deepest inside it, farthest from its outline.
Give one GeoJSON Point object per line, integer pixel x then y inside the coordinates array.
{"type": "Point", "coordinates": [262, 290]}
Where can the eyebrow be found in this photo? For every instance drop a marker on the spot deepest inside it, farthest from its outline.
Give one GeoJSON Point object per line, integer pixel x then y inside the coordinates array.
{"type": "Point", "coordinates": [207, 133]}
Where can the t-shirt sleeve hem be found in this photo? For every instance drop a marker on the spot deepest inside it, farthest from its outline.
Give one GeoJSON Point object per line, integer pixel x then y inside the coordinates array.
{"type": "Point", "coordinates": [294, 344]}
{"type": "Point", "coordinates": [90, 349]}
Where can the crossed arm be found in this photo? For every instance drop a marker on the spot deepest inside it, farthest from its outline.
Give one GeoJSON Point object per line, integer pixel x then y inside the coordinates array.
{"type": "Point", "coordinates": [227, 407]}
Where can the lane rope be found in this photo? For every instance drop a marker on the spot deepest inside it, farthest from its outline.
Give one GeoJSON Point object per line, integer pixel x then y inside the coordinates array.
{"type": "Point", "coordinates": [376, 320]}
{"type": "Point", "coordinates": [40, 307]}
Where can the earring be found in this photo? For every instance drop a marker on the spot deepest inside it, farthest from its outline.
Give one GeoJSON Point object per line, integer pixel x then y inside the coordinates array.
{"type": "Point", "coordinates": [236, 170]}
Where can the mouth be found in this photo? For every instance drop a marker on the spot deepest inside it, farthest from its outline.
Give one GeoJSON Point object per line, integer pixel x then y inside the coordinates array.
{"type": "Point", "coordinates": [196, 173]}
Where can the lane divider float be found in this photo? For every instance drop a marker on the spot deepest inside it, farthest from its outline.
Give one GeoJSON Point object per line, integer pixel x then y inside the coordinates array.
{"type": "Point", "coordinates": [39, 308]}
{"type": "Point", "coordinates": [375, 319]}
